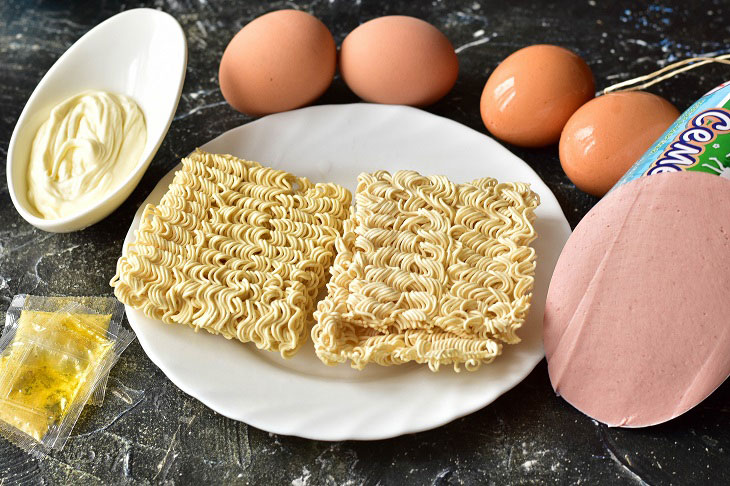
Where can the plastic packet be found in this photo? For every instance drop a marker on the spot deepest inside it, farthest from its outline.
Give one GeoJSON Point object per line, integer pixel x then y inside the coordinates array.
{"type": "Point", "coordinates": [105, 312]}
{"type": "Point", "coordinates": [698, 141]}
{"type": "Point", "coordinates": [51, 362]}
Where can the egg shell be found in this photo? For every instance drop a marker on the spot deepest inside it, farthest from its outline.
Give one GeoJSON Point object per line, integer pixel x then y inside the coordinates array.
{"type": "Point", "coordinates": [398, 60]}
{"type": "Point", "coordinates": [530, 96]}
{"type": "Point", "coordinates": [604, 138]}
{"type": "Point", "coordinates": [277, 62]}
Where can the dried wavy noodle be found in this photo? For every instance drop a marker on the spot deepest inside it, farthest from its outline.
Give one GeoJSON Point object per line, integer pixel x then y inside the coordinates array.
{"type": "Point", "coordinates": [236, 249]}
{"type": "Point", "coordinates": [429, 271]}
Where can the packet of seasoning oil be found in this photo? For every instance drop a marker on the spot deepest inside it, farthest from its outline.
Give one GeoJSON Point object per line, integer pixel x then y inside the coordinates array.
{"type": "Point", "coordinates": [699, 141]}
{"type": "Point", "coordinates": [51, 361]}
{"type": "Point", "coordinates": [103, 312]}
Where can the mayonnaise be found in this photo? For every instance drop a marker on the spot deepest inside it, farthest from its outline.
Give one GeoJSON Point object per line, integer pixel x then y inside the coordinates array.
{"type": "Point", "coordinates": [89, 145]}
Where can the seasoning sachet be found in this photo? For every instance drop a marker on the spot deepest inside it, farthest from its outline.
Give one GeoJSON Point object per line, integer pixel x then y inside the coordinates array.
{"type": "Point", "coordinates": [55, 355]}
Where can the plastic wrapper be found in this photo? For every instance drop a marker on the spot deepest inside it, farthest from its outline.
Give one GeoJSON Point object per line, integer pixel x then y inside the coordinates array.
{"type": "Point", "coordinates": [699, 141]}
{"type": "Point", "coordinates": [105, 312]}
{"type": "Point", "coordinates": [55, 355]}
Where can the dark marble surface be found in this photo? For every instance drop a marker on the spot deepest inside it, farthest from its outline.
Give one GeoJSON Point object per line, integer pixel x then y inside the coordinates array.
{"type": "Point", "coordinates": [150, 432]}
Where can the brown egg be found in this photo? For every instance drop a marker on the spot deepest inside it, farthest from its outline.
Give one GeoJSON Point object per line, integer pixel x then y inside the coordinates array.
{"type": "Point", "coordinates": [398, 60]}
{"type": "Point", "coordinates": [604, 138]}
{"type": "Point", "coordinates": [277, 62]}
{"type": "Point", "coordinates": [531, 94]}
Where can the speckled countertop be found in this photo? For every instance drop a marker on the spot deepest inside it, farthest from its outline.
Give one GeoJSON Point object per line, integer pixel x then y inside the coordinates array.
{"type": "Point", "coordinates": [150, 432]}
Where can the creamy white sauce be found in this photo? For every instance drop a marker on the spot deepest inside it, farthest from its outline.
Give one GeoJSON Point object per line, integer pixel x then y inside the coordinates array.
{"type": "Point", "coordinates": [88, 146]}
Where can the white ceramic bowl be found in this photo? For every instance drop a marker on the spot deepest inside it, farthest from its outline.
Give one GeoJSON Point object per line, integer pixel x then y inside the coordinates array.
{"type": "Point", "coordinates": [140, 53]}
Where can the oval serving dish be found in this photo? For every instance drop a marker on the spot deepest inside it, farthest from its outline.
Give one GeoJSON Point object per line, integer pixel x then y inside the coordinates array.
{"type": "Point", "coordinates": [140, 53]}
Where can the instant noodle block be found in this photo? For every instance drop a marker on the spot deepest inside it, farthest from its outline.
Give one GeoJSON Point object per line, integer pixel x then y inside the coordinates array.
{"type": "Point", "coordinates": [429, 271]}
{"type": "Point", "coordinates": [636, 327]}
{"type": "Point", "coordinates": [236, 249]}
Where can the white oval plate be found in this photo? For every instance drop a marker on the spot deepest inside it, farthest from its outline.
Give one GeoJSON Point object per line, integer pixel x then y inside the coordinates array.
{"type": "Point", "coordinates": [302, 396]}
